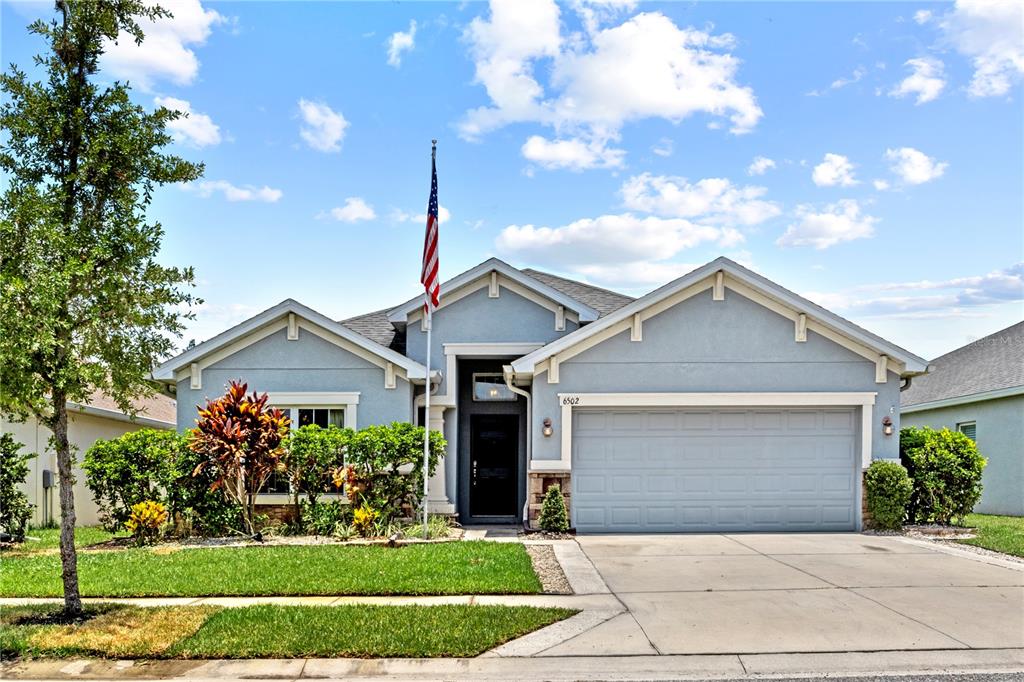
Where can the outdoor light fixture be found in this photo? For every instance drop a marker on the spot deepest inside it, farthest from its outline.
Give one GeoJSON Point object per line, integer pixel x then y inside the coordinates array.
{"type": "Point", "coordinates": [887, 425]}
{"type": "Point", "coordinates": [547, 427]}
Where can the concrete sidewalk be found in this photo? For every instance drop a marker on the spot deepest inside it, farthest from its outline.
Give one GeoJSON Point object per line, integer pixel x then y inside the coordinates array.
{"type": "Point", "coordinates": [743, 666]}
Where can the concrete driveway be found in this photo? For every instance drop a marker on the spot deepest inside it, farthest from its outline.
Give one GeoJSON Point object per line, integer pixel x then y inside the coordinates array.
{"type": "Point", "coordinates": [782, 593]}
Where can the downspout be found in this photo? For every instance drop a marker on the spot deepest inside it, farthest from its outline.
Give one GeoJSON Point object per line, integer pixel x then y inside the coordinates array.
{"type": "Point", "coordinates": [509, 375]}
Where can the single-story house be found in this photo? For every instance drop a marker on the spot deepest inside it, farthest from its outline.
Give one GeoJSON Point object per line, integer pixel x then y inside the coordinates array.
{"type": "Point", "coordinates": [98, 418]}
{"type": "Point", "coordinates": [979, 390]}
{"type": "Point", "coordinates": [718, 402]}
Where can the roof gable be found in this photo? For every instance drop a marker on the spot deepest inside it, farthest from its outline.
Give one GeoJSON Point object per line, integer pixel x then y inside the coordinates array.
{"type": "Point", "coordinates": [250, 329]}
{"type": "Point", "coordinates": [399, 315]}
{"type": "Point", "coordinates": [746, 282]}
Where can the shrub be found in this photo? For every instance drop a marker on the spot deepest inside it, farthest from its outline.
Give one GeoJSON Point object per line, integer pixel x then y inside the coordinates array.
{"type": "Point", "coordinates": [145, 521]}
{"type": "Point", "coordinates": [241, 440]}
{"type": "Point", "coordinates": [946, 469]}
{"type": "Point", "coordinates": [311, 459]}
{"type": "Point", "coordinates": [888, 488]}
{"type": "Point", "coordinates": [151, 464]}
{"type": "Point", "coordinates": [375, 457]}
{"type": "Point", "coordinates": [15, 511]}
{"type": "Point", "coordinates": [324, 519]}
{"type": "Point", "coordinates": [553, 516]}
{"type": "Point", "coordinates": [133, 468]}
{"type": "Point", "coordinates": [196, 505]}
{"type": "Point", "coordinates": [363, 519]}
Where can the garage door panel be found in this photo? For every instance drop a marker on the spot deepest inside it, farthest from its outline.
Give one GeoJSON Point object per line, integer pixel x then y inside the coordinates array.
{"type": "Point", "coordinates": [678, 469]}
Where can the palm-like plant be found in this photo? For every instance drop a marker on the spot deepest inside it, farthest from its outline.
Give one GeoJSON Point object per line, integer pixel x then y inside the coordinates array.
{"type": "Point", "coordinates": [242, 440]}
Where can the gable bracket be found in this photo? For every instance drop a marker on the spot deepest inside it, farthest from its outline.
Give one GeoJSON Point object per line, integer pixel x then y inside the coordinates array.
{"type": "Point", "coordinates": [801, 328]}
{"type": "Point", "coordinates": [492, 287]}
{"type": "Point", "coordinates": [881, 369]}
{"type": "Point", "coordinates": [718, 290]}
{"type": "Point", "coordinates": [560, 319]}
{"type": "Point", "coordinates": [293, 327]}
{"type": "Point", "coordinates": [636, 330]}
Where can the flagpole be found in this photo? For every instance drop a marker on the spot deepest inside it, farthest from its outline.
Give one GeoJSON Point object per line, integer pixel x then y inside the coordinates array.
{"type": "Point", "coordinates": [426, 400]}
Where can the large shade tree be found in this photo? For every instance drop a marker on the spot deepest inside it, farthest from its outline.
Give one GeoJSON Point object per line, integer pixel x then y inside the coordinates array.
{"type": "Point", "coordinates": [84, 303]}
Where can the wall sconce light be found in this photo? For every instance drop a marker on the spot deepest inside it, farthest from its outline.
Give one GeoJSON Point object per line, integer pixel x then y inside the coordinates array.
{"type": "Point", "coordinates": [887, 425]}
{"type": "Point", "coordinates": [547, 427]}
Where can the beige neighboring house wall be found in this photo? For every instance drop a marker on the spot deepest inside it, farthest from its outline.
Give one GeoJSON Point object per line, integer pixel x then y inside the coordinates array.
{"type": "Point", "coordinates": [101, 418]}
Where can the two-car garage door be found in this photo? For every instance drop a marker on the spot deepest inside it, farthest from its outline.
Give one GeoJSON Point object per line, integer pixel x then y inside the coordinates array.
{"type": "Point", "coordinates": [713, 470]}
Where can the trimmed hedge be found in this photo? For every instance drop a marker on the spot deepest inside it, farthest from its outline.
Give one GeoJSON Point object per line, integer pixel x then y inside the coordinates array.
{"type": "Point", "coordinates": [887, 489]}
{"type": "Point", "coordinates": [946, 468]}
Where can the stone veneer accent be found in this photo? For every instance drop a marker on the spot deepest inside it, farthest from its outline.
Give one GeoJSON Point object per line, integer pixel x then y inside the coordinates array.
{"type": "Point", "coordinates": [865, 515]}
{"type": "Point", "coordinates": [537, 484]}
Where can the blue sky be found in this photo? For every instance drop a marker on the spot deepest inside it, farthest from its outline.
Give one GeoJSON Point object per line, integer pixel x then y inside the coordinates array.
{"type": "Point", "coordinates": [867, 155]}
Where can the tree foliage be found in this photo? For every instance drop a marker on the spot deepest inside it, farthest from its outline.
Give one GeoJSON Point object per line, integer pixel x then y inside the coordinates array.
{"type": "Point", "coordinates": [242, 441]}
{"type": "Point", "coordinates": [84, 303]}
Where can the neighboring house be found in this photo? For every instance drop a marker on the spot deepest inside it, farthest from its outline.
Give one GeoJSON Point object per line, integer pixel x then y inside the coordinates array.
{"type": "Point", "coordinates": [718, 402]}
{"type": "Point", "coordinates": [99, 418]}
{"type": "Point", "coordinates": [979, 390]}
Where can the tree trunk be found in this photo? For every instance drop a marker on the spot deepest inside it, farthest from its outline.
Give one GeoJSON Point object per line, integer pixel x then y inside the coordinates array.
{"type": "Point", "coordinates": [68, 556]}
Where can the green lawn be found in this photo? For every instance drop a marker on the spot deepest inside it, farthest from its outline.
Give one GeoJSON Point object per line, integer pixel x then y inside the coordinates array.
{"type": "Point", "coordinates": [47, 539]}
{"type": "Point", "coordinates": [999, 533]}
{"type": "Point", "coordinates": [443, 568]}
{"type": "Point", "coordinates": [269, 631]}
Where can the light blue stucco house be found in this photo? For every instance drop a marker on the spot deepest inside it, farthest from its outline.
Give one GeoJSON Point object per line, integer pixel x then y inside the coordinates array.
{"type": "Point", "coordinates": [718, 402]}
{"type": "Point", "coordinates": [979, 390]}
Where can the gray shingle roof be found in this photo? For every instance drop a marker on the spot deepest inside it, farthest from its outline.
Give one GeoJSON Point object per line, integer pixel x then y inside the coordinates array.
{"type": "Point", "coordinates": [376, 327]}
{"type": "Point", "coordinates": [601, 300]}
{"type": "Point", "coordinates": [989, 364]}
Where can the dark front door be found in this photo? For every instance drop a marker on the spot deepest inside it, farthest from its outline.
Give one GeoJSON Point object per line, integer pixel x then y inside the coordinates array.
{"type": "Point", "coordinates": [494, 464]}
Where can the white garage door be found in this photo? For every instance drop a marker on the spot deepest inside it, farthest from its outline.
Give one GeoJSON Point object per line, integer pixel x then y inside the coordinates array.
{"type": "Point", "coordinates": [713, 470]}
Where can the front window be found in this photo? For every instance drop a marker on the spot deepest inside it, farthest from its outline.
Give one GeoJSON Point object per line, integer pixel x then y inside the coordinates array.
{"type": "Point", "coordinates": [969, 429]}
{"type": "Point", "coordinates": [491, 388]}
{"type": "Point", "coordinates": [323, 417]}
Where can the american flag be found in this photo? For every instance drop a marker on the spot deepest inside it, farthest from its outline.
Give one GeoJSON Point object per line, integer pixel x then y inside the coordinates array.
{"type": "Point", "coordinates": [428, 277]}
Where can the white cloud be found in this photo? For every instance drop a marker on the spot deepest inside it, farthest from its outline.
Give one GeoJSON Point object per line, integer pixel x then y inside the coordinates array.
{"type": "Point", "coordinates": [760, 165]}
{"type": "Point", "coordinates": [923, 16]}
{"type": "Point", "coordinates": [841, 82]}
{"type": "Point", "coordinates": [573, 153]}
{"type": "Point", "coordinates": [322, 128]}
{"type": "Point", "coordinates": [834, 170]}
{"type": "Point", "coordinates": [265, 194]}
{"type": "Point", "coordinates": [593, 13]}
{"type": "Point", "coordinates": [929, 298]}
{"type": "Point", "coordinates": [838, 222]}
{"type": "Point", "coordinates": [880, 185]}
{"type": "Point", "coordinates": [194, 128]}
{"type": "Point", "coordinates": [991, 34]}
{"type": "Point", "coordinates": [399, 42]}
{"type": "Point", "coordinates": [645, 67]}
{"type": "Point", "coordinates": [166, 53]}
{"type": "Point", "coordinates": [637, 274]}
{"type": "Point", "coordinates": [354, 210]}
{"type": "Point", "coordinates": [926, 81]}
{"type": "Point", "coordinates": [711, 200]}
{"type": "Point", "coordinates": [609, 240]}
{"type": "Point", "coordinates": [914, 167]}
{"type": "Point", "coordinates": [664, 147]}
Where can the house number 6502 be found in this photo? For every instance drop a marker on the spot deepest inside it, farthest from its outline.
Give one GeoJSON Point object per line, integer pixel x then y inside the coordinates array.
{"type": "Point", "coordinates": [571, 400]}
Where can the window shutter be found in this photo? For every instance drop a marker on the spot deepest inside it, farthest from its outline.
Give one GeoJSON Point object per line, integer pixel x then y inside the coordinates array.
{"type": "Point", "coordinates": [969, 429]}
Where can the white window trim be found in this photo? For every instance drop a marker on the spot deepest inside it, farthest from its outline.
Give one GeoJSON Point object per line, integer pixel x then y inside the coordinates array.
{"type": "Point", "coordinates": [568, 401]}
{"type": "Point", "coordinates": [972, 422]}
{"type": "Point", "coordinates": [347, 401]}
